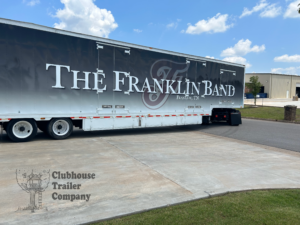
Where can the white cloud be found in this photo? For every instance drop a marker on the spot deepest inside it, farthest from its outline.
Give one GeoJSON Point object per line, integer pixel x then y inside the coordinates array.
{"type": "Point", "coordinates": [85, 17]}
{"type": "Point", "coordinates": [215, 24]}
{"type": "Point", "coordinates": [289, 70]}
{"type": "Point", "coordinates": [271, 11]}
{"type": "Point", "coordinates": [172, 25]}
{"type": "Point", "coordinates": [137, 30]}
{"type": "Point", "coordinates": [210, 57]}
{"type": "Point", "coordinates": [243, 47]}
{"type": "Point", "coordinates": [292, 10]}
{"type": "Point", "coordinates": [260, 6]}
{"type": "Point", "coordinates": [287, 58]}
{"type": "Point", "coordinates": [238, 59]}
{"type": "Point", "coordinates": [31, 2]}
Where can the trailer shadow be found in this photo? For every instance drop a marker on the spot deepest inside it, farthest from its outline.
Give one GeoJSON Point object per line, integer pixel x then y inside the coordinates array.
{"type": "Point", "coordinates": [78, 133]}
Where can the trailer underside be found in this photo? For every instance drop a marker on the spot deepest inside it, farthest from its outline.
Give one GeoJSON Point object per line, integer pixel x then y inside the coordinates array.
{"type": "Point", "coordinates": [24, 129]}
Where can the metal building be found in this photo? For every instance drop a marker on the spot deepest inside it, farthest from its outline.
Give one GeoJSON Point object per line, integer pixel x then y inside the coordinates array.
{"type": "Point", "coordinates": [277, 85]}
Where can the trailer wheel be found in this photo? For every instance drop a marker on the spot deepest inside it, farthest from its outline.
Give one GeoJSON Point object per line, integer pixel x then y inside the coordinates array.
{"type": "Point", "coordinates": [21, 130]}
{"type": "Point", "coordinates": [60, 128]}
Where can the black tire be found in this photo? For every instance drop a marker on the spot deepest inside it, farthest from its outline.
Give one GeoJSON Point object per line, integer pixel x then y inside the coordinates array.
{"type": "Point", "coordinates": [21, 130]}
{"type": "Point", "coordinates": [60, 128]}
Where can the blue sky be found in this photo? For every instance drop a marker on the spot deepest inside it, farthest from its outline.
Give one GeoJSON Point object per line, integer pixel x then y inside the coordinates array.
{"type": "Point", "coordinates": [262, 34]}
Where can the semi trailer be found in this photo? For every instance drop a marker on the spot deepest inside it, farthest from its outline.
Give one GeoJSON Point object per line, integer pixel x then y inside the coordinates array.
{"type": "Point", "coordinates": [54, 80]}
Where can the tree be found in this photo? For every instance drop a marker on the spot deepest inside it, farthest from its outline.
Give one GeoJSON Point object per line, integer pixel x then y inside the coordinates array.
{"type": "Point", "coordinates": [254, 86]}
{"type": "Point", "coordinates": [299, 9]}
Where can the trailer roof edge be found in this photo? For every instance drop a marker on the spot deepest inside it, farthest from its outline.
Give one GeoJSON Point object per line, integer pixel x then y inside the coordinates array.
{"type": "Point", "coordinates": [110, 41]}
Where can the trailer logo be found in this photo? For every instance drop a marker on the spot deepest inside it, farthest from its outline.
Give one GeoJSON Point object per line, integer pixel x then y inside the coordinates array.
{"type": "Point", "coordinates": [33, 182]}
{"type": "Point", "coordinates": [163, 70]}
{"type": "Point", "coordinates": [167, 79]}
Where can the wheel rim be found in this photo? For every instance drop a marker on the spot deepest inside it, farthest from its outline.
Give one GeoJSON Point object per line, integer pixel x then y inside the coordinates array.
{"type": "Point", "coordinates": [61, 127]}
{"type": "Point", "coordinates": [22, 129]}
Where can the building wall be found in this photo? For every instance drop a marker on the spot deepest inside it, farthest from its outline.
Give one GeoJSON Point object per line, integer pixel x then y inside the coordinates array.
{"type": "Point", "coordinates": [295, 81]}
{"type": "Point", "coordinates": [277, 85]}
{"type": "Point", "coordinates": [281, 85]}
{"type": "Point", "coordinates": [264, 79]}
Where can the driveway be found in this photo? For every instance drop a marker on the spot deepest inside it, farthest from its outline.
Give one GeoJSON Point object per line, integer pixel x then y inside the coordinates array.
{"type": "Point", "coordinates": [133, 170]}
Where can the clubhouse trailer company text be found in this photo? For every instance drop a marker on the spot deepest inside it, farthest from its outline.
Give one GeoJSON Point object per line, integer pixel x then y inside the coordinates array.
{"type": "Point", "coordinates": [70, 185]}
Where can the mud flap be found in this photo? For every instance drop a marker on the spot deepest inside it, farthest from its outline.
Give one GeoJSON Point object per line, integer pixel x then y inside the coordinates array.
{"type": "Point", "coordinates": [235, 119]}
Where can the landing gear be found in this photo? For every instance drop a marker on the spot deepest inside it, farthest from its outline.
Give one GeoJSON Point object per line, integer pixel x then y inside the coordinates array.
{"type": "Point", "coordinates": [60, 128]}
{"type": "Point", "coordinates": [21, 130]}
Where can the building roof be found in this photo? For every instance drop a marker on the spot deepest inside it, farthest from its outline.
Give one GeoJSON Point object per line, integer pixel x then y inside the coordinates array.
{"type": "Point", "coordinates": [273, 74]}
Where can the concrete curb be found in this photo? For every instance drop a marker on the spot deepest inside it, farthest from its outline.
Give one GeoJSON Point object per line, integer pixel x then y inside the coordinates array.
{"type": "Point", "coordinates": [192, 200]}
{"type": "Point", "coordinates": [272, 120]}
{"type": "Point", "coordinates": [267, 106]}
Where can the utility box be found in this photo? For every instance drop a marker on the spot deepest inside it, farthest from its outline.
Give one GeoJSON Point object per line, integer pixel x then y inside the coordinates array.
{"type": "Point", "coordinates": [290, 112]}
{"type": "Point", "coordinates": [295, 98]}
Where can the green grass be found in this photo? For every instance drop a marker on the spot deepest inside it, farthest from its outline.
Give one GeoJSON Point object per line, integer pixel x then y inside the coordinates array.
{"type": "Point", "coordinates": [274, 113]}
{"type": "Point", "coordinates": [253, 207]}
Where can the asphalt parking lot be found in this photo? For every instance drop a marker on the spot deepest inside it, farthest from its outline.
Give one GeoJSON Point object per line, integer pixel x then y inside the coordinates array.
{"type": "Point", "coordinates": [134, 170]}
{"type": "Point", "coordinates": [269, 133]}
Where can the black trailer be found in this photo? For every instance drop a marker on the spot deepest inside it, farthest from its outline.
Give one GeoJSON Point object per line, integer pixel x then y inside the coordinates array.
{"type": "Point", "coordinates": [53, 80]}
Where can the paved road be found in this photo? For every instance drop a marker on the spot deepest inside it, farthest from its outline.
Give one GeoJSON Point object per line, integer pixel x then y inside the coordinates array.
{"type": "Point", "coordinates": [275, 134]}
{"type": "Point", "coordinates": [134, 170]}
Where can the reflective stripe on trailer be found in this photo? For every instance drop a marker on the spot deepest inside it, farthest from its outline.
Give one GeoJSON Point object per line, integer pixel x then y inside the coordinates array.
{"type": "Point", "coordinates": [106, 117]}
{"type": "Point", "coordinates": [161, 115]}
{"type": "Point", "coordinates": [3, 119]}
